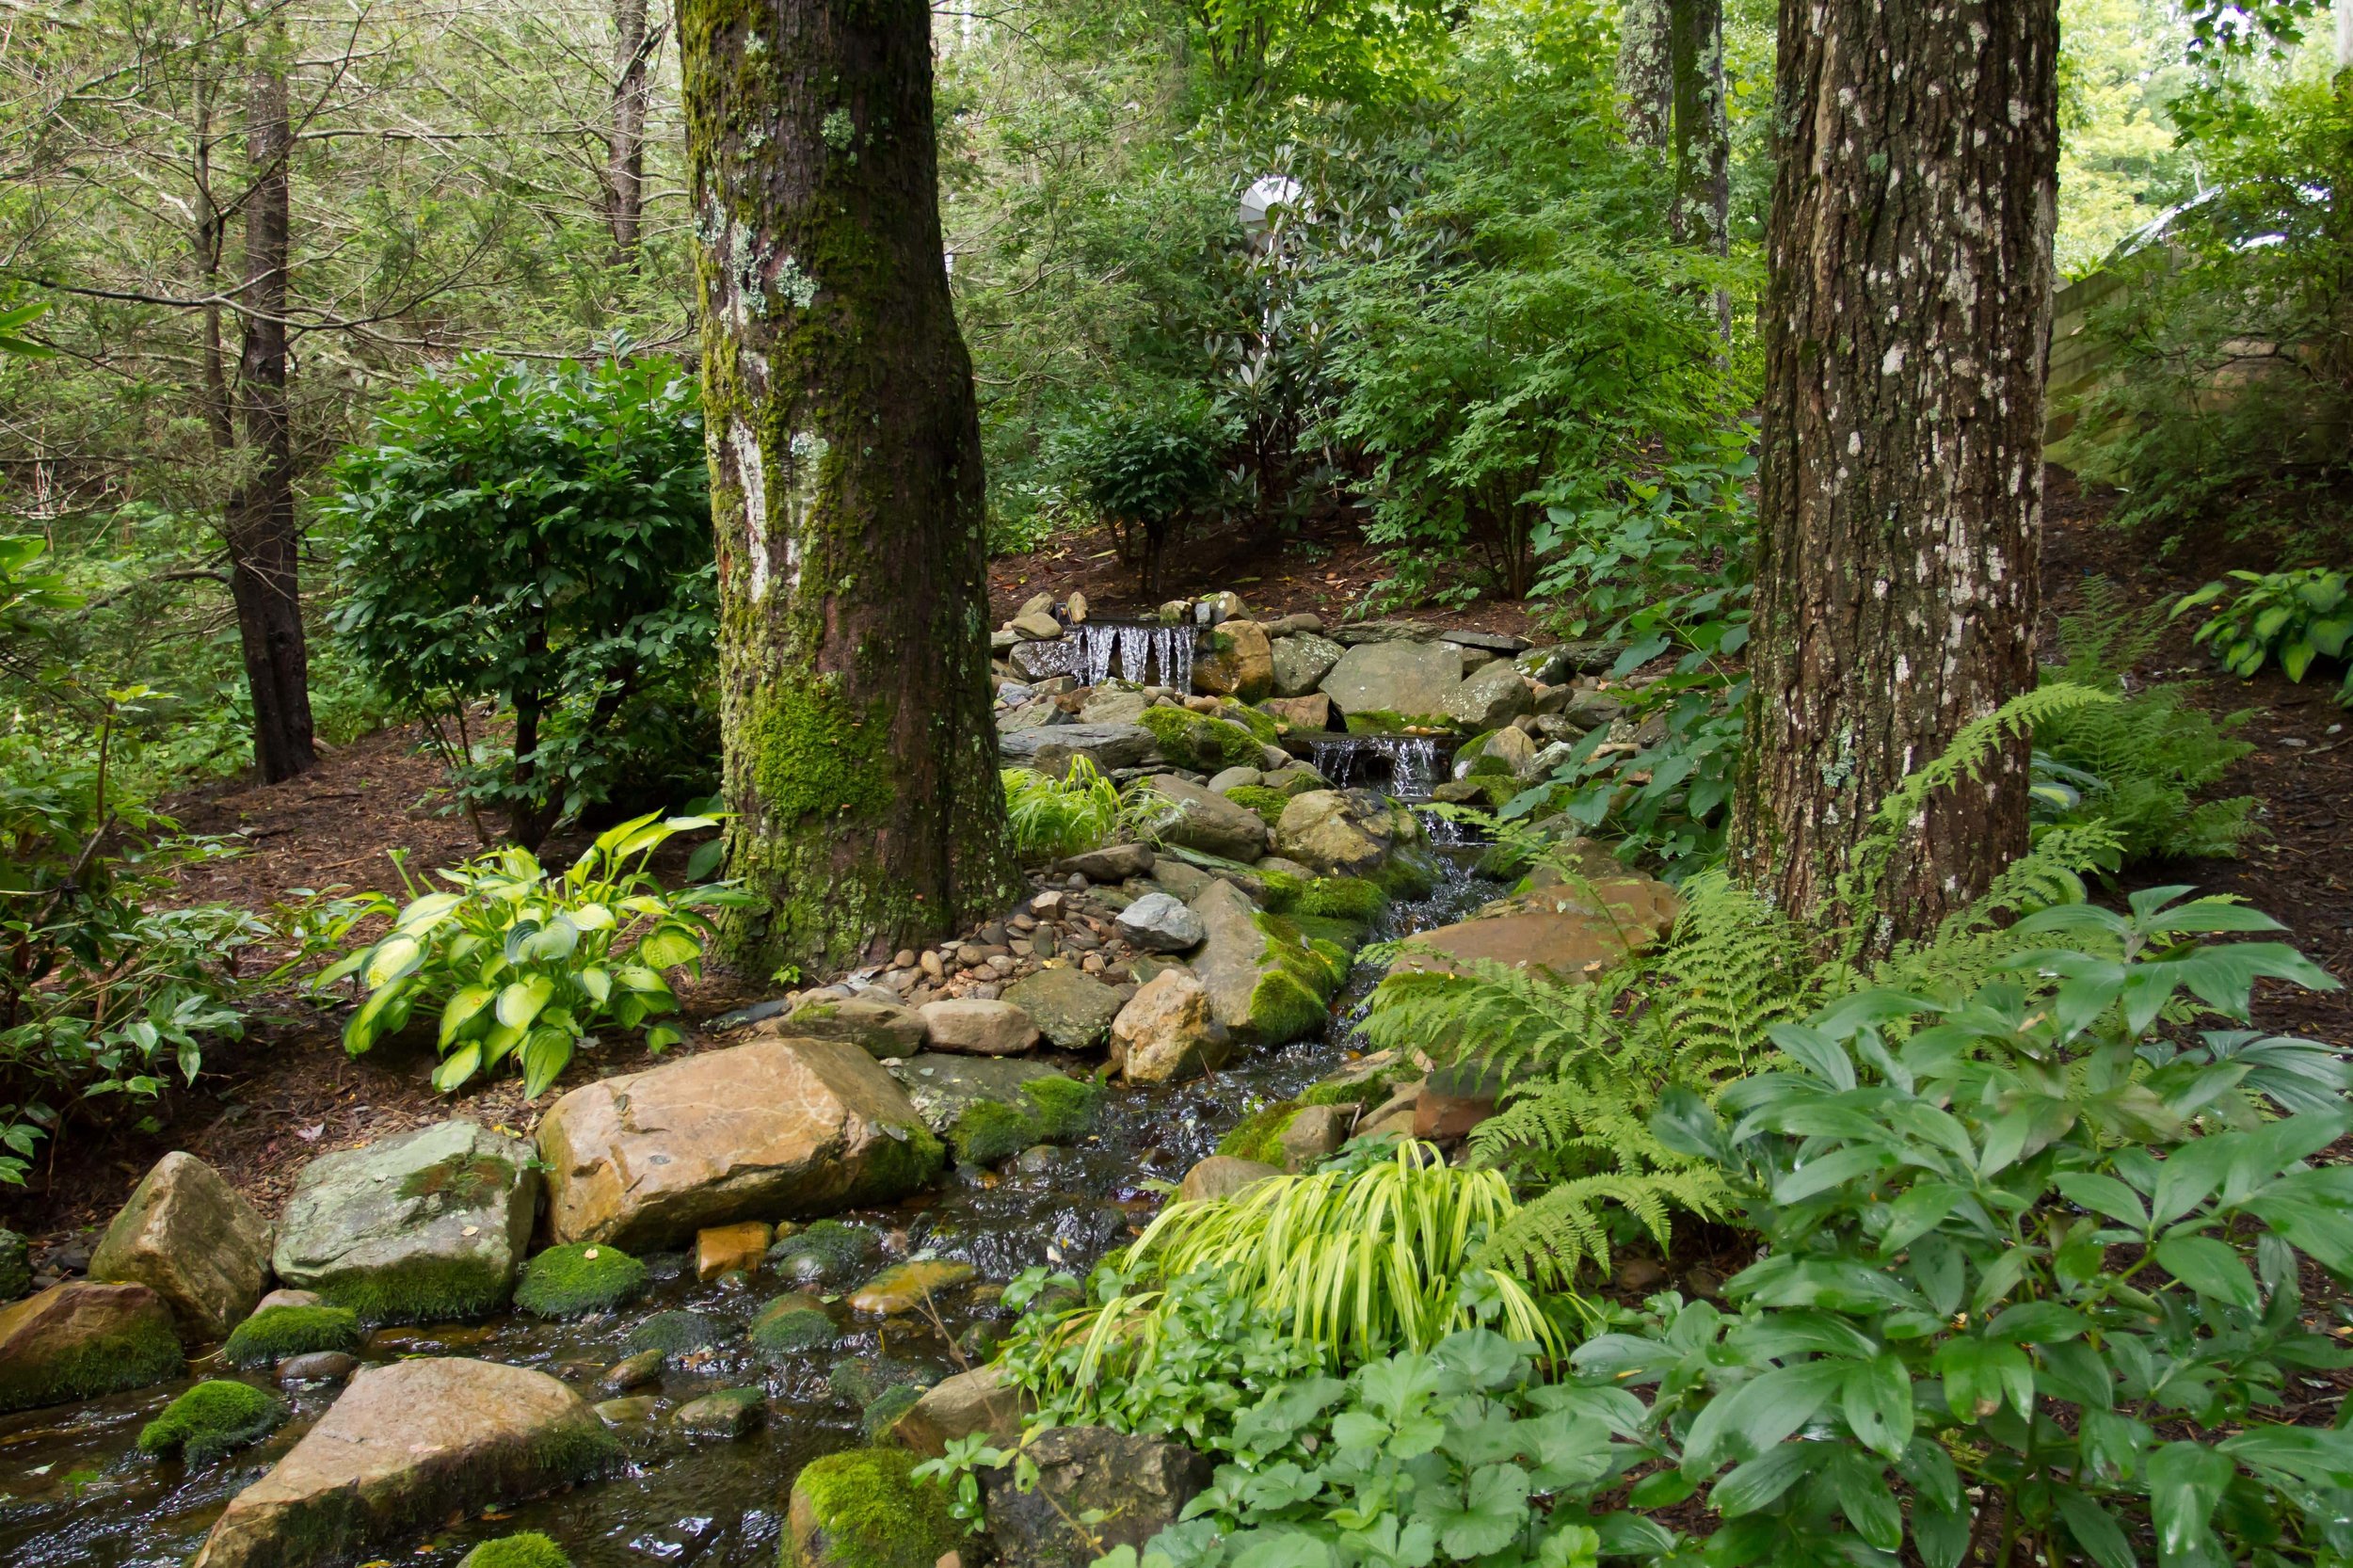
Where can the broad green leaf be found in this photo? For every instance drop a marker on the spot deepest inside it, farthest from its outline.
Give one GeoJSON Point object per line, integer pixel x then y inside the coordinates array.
{"type": "Point", "coordinates": [1761, 1481]}
{"type": "Point", "coordinates": [461, 1007]}
{"type": "Point", "coordinates": [2101, 1537]}
{"type": "Point", "coordinates": [596, 980]}
{"type": "Point", "coordinates": [520, 1001]}
{"type": "Point", "coordinates": [669, 946]}
{"type": "Point", "coordinates": [394, 956]}
{"type": "Point", "coordinates": [544, 1055]}
{"type": "Point", "coordinates": [457, 1067]}
{"type": "Point", "coordinates": [1876, 1399]}
{"type": "Point", "coordinates": [2209, 1267]}
{"type": "Point", "coordinates": [2186, 1479]}
{"type": "Point", "coordinates": [1760, 1413]}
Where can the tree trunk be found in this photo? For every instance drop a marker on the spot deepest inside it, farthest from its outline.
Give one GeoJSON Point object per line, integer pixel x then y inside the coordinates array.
{"type": "Point", "coordinates": [1645, 69]}
{"type": "Point", "coordinates": [264, 535]}
{"type": "Point", "coordinates": [1702, 136]}
{"type": "Point", "coordinates": [1906, 316]}
{"type": "Point", "coordinates": [625, 170]}
{"type": "Point", "coordinates": [846, 463]}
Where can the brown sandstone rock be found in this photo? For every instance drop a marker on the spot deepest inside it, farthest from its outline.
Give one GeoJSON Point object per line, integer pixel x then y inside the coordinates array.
{"type": "Point", "coordinates": [187, 1235]}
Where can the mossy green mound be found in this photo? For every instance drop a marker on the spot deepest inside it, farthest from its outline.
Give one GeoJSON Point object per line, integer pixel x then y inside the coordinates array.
{"type": "Point", "coordinates": [826, 1251]}
{"type": "Point", "coordinates": [1408, 874]}
{"type": "Point", "coordinates": [528, 1550]}
{"type": "Point", "coordinates": [212, 1419]}
{"type": "Point", "coordinates": [863, 1509]}
{"type": "Point", "coordinates": [1262, 726]}
{"type": "Point", "coordinates": [1268, 802]}
{"type": "Point", "coordinates": [676, 1332]}
{"type": "Point", "coordinates": [863, 1379]}
{"type": "Point", "coordinates": [423, 1291]}
{"type": "Point", "coordinates": [134, 1350]}
{"type": "Point", "coordinates": [16, 1266]}
{"type": "Point", "coordinates": [1364, 1091]}
{"type": "Point", "coordinates": [887, 1407]}
{"type": "Point", "coordinates": [989, 1132]}
{"type": "Point", "coordinates": [1337, 898]}
{"type": "Point", "coordinates": [1346, 935]}
{"type": "Point", "coordinates": [1202, 743]}
{"type": "Point", "coordinates": [907, 1164]}
{"type": "Point", "coordinates": [577, 1278]}
{"type": "Point", "coordinates": [1259, 1135]}
{"type": "Point", "coordinates": [275, 1332]}
{"type": "Point", "coordinates": [1052, 1109]}
{"type": "Point", "coordinates": [1299, 976]}
{"type": "Point", "coordinates": [791, 1326]}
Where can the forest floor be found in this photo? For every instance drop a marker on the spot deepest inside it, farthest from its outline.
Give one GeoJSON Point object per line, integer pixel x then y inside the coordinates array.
{"type": "Point", "coordinates": [268, 1104]}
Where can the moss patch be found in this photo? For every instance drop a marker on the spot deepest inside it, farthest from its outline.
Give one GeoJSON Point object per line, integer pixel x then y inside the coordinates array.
{"type": "Point", "coordinates": [16, 1266]}
{"type": "Point", "coordinates": [1055, 1109]}
{"type": "Point", "coordinates": [276, 1332]}
{"type": "Point", "coordinates": [461, 1181]}
{"type": "Point", "coordinates": [528, 1550]}
{"type": "Point", "coordinates": [1289, 1000]}
{"type": "Point", "coordinates": [827, 1251]}
{"type": "Point", "coordinates": [863, 1379]}
{"type": "Point", "coordinates": [1267, 802]}
{"type": "Point", "coordinates": [1259, 1135]}
{"type": "Point", "coordinates": [907, 1159]}
{"type": "Point", "coordinates": [210, 1419]}
{"type": "Point", "coordinates": [1381, 721]}
{"type": "Point", "coordinates": [1408, 874]}
{"type": "Point", "coordinates": [579, 1277]}
{"type": "Point", "coordinates": [990, 1131]}
{"type": "Point", "coordinates": [140, 1351]}
{"type": "Point", "coordinates": [1065, 1106]}
{"type": "Point", "coordinates": [788, 1327]}
{"type": "Point", "coordinates": [872, 1513]}
{"type": "Point", "coordinates": [676, 1334]}
{"type": "Point", "coordinates": [1346, 937]}
{"type": "Point", "coordinates": [421, 1291]}
{"type": "Point", "coordinates": [1262, 726]}
{"type": "Point", "coordinates": [888, 1406]}
{"type": "Point", "coordinates": [1364, 1091]}
{"type": "Point", "coordinates": [1199, 743]}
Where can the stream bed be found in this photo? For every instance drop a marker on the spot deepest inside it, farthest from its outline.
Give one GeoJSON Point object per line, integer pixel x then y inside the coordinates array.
{"type": "Point", "coordinates": [74, 1490]}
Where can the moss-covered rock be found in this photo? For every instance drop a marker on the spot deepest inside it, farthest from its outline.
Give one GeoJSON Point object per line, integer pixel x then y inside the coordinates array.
{"type": "Point", "coordinates": [1202, 743]}
{"type": "Point", "coordinates": [990, 1132]}
{"type": "Point", "coordinates": [1065, 1108]}
{"type": "Point", "coordinates": [1345, 937]}
{"type": "Point", "coordinates": [1053, 1110]}
{"type": "Point", "coordinates": [791, 1326]}
{"type": "Point", "coordinates": [210, 1419]}
{"type": "Point", "coordinates": [276, 1332]}
{"type": "Point", "coordinates": [863, 1379]}
{"type": "Point", "coordinates": [579, 1277]}
{"type": "Point", "coordinates": [1268, 802]}
{"type": "Point", "coordinates": [1259, 1135]}
{"type": "Point", "coordinates": [1408, 874]}
{"type": "Point", "coordinates": [528, 1550]}
{"type": "Point", "coordinates": [826, 1253]}
{"type": "Point", "coordinates": [882, 1412]}
{"type": "Point", "coordinates": [16, 1266]}
{"type": "Point", "coordinates": [730, 1412]}
{"type": "Point", "coordinates": [1342, 898]}
{"type": "Point", "coordinates": [864, 1509]}
{"type": "Point", "coordinates": [677, 1333]}
{"type": "Point", "coordinates": [83, 1338]}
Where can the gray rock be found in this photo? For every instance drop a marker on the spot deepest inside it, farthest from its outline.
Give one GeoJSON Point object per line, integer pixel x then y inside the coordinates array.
{"type": "Point", "coordinates": [1039, 712]}
{"type": "Point", "coordinates": [1049, 750]}
{"type": "Point", "coordinates": [1112, 706]}
{"type": "Point", "coordinates": [1261, 995]}
{"type": "Point", "coordinates": [318, 1367]}
{"type": "Point", "coordinates": [981, 1400]}
{"type": "Point", "coordinates": [944, 1087]}
{"type": "Point", "coordinates": [1408, 679]}
{"type": "Point", "coordinates": [1302, 659]}
{"type": "Point", "coordinates": [1343, 832]}
{"type": "Point", "coordinates": [1473, 658]}
{"type": "Point", "coordinates": [1196, 819]}
{"type": "Point", "coordinates": [1234, 778]}
{"type": "Point", "coordinates": [1314, 1131]}
{"type": "Point", "coordinates": [1592, 710]}
{"type": "Point", "coordinates": [1159, 923]}
{"type": "Point", "coordinates": [1134, 1486]}
{"type": "Point", "coordinates": [1290, 626]}
{"type": "Point", "coordinates": [729, 1413]}
{"type": "Point", "coordinates": [1492, 696]}
{"type": "Point", "coordinates": [1112, 863]}
{"type": "Point", "coordinates": [1037, 626]}
{"type": "Point", "coordinates": [634, 1410]}
{"type": "Point", "coordinates": [189, 1236]}
{"type": "Point", "coordinates": [1390, 629]}
{"type": "Point", "coordinates": [881, 1029]}
{"type": "Point", "coordinates": [1221, 1175]}
{"type": "Point", "coordinates": [1073, 1011]}
{"type": "Point", "coordinates": [430, 1224]}
{"type": "Point", "coordinates": [975, 1028]}
{"type": "Point", "coordinates": [634, 1372]}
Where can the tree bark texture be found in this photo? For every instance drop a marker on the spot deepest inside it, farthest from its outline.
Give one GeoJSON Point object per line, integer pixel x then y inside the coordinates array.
{"type": "Point", "coordinates": [1906, 317]}
{"type": "Point", "coordinates": [263, 535]}
{"type": "Point", "coordinates": [1703, 135]}
{"type": "Point", "coordinates": [1645, 69]}
{"type": "Point", "coordinates": [625, 167]}
{"type": "Point", "coordinates": [846, 492]}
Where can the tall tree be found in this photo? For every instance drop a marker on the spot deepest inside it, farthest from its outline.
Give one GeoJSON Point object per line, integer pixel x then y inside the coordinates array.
{"type": "Point", "coordinates": [1906, 316]}
{"type": "Point", "coordinates": [1703, 135]}
{"type": "Point", "coordinates": [1646, 69]}
{"type": "Point", "coordinates": [263, 532]}
{"type": "Point", "coordinates": [633, 48]}
{"type": "Point", "coordinates": [846, 492]}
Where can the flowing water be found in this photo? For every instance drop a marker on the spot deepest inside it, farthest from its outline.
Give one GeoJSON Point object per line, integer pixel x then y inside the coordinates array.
{"type": "Point", "coordinates": [1145, 652]}
{"type": "Point", "coordinates": [73, 1490]}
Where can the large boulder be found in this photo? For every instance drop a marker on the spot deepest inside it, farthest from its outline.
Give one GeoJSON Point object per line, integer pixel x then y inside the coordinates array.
{"type": "Point", "coordinates": [1492, 696]}
{"type": "Point", "coordinates": [974, 1027]}
{"type": "Point", "coordinates": [1194, 818]}
{"type": "Point", "coordinates": [1097, 1490]}
{"type": "Point", "coordinates": [1074, 1011]}
{"type": "Point", "coordinates": [1050, 749]}
{"type": "Point", "coordinates": [1410, 679]}
{"type": "Point", "coordinates": [1037, 658]}
{"type": "Point", "coordinates": [1301, 662]}
{"type": "Point", "coordinates": [430, 1224]}
{"type": "Point", "coordinates": [981, 1400]}
{"type": "Point", "coordinates": [1167, 1032]}
{"type": "Point", "coordinates": [1110, 863]}
{"type": "Point", "coordinates": [1569, 933]}
{"type": "Point", "coordinates": [774, 1129]}
{"type": "Point", "coordinates": [1265, 981]}
{"type": "Point", "coordinates": [189, 1236]}
{"type": "Point", "coordinates": [1343, 832]}
{"type": "Point", "coordinates": [83, 1338]}
{"type": "Point", "coordinates": [1239, 663]}
{"type": "Point", "coordinates": [405, 1448]}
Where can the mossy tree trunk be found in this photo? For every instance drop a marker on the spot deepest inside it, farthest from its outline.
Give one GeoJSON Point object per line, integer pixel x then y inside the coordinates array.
{"type": "Point", "coordinates": [846, 493]}
{"type": "Point", "coordinates": [1645, 69]}
{"type": "Point", "coordinates": [1906, 313]}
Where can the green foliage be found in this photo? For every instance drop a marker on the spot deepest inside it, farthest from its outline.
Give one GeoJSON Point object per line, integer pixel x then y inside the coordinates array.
{"type": "Point", "coordinates": [579, 1277]}
{"type": "Point", "coordinates": [1049, 818]}
{"type": "Point", "coordinates": [1267, 802]}
{"type": "Point", "coordinates": [1150, 472]}
{"type": "Point", "coordinates": [541, 537]}
{"type": "Point", "coordinates": [1980, 1284]}
{"type": "Point", "coordinates": [2293, 616]}
{"type": "Point", "coordinates": [210, 1419]}
{"type": "Point", "coordinates": [528, 1549]}
{"type": "Point", "coordinates": [275, 1332]}
{"type": "Point", "coordinates": [525, 964]}
{"type": "Point", "coordinates": [1201, 742]}
{"type": "Point", "coordinates": [871, 1513]}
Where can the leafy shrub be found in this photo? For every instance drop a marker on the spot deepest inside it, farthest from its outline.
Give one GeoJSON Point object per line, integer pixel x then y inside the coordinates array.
{"type": "Point", "coordinates": [210, 1419]}
{"type": "Point", "coordinates": [541, 537]}
{"type": "Point", "coordinates": [526, 965]}
{"type": "Point", "coordinates": [579, 1277]}
{"type": "Point", "coordinates": [275, 1332]}
{"type": "Point", "coordinates": [1050, 817]}
{"type": "Point", "coordinates": [2293, 616]}
{"type": "Point", "coordinates": [1150, 472]}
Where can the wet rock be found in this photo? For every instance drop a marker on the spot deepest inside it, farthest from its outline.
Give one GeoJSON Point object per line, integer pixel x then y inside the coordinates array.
{"type": "Point", "coordinates": [1036, 626]}
{"type": "Point", "coordinates": [274, 1334]}
{"type": "Point", "coordinates": [1221, 1175]}
{"type": "Point", "coordinates": [1192, 816]}
{"type": "Point", "coordinates": [1134, 1486]}
{"type": "Point", "coordinates": [1310, 715]}
{"type": "Point", "coordinates": [1408, 679]}
{"type": "Point", "coordinates": [212, 1419]}
{"type": "Point", "coordinates": [1300, 663]}
{"type": "Point", "coordinates": [730, 1249]}
{"type": "Point", "coordinates": [1314, 1132]}
{"type": "Point", "coordinates": [981, 1400]}
{"type": "Point", "coordinates": [904, 1286]}
{"type": "Point", "coordinates": [776, 1127]}
{"type": "Point", "coordinates": [1158, 922]}
{"type": "Point", "coordinates": [791, 1326]}
{"type": "Point", "coordinates": [289, 1298]}
{"type": "Point", "coordinates": [880, 1029]}
{"type": "Point", "coordinates": [1343, 833]}
{"type": "Point", "coordinates": [730, 1412]}
{"type": "Point", "coordinates": [1168, 1032]}
{"type": "Point", "coordinates": [1111, 705]}
{"type": "Point", "coordinates": [1508, 750]}
{"type": "Point", "coordinates": [1265, 983]}
{"type": "Point", "coordinates": [429, 1225]}
{"type": "Point", "coordinates": [943, 1087]}
{"type": "Point", "coordinates": [318, 1367]}
{"type": "Point", "coordinates": [861, 1509]}
{"type": "Point", "coordinates": [404, 1447]}
{"type": "Point", "coordinates": [860, 1380]}
{"type": "Point", "coordinates": [630, 1411]}
{"type": "Point", "coordinates": [826, 1252]}
{"type": "Point", "coordinates": [972, 1028]}
{"type": "Point", "coordinates": [674, 1335]}
{"type": "Point", "coordinates": [1108, 747]}
{"type": "Point", "coordinates": [83, 1338]}
{"type": "Point", "coordinates": [187, 1235]}
{"type": "Point", "coordinates": [1073, 1011]}
{"type": "Point", "coordinates": [1578, 935]}
{"type": "Point", "coordinates": [1239, 662]}
{"type": "Point", "coordinates": [632, 1371]}
{"type": "Point", "coordinates": [16, 1266]}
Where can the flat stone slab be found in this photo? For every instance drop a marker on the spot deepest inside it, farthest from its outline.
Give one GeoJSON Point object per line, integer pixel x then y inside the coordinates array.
{"type": "Point", "coordinates": [1411, 680]}
{"type": "Point", "coordinates": [944, 1087]}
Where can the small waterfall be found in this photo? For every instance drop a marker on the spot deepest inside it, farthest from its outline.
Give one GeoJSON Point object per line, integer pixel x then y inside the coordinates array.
{"type": "Point", "coordinates": [1092, 648]}
{"type": "Point", "coordinates": [1405, 766]}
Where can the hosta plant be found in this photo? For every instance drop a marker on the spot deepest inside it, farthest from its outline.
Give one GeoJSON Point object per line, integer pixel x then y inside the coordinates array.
{"type": "Point", "coordinates": [2294, 617]}
{"type": "Point", "coordinates": [526, 965]}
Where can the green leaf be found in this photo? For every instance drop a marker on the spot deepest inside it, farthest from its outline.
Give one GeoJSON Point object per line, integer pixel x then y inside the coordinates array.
{"type": "Point", "coordinates": [394, 956]}
{"type": "Point", "coordinates": [2211, 1267]}
{"type": "Point", "coordinates": [2186, 1481]}
{"type": "Point", "coordinates": [596, 980]}
{"type": "Point", "coordinates": [2103, 1194]}
{"type": "Point", "coordinates": [457, 1067]}
{"type": "Point", "coordinates": [669, 946]}
{"type": "Point", "coordinates": [1760, 1413]}
{"type": "Point", "coordinates": [522, 1000]}
{"type": "Point", "coordinates": [2101, 1537]}
{"type": "Point", "coordinates": [460, 1008]}
{"type": "Point", "coordinates": [1875, 1398]}
{"type": "Point", "coordinates": [1761, 1481]}
{"type": "Point", "coordinates": [545, 1055]}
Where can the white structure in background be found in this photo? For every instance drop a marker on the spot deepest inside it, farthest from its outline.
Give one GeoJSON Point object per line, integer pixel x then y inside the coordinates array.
{"type": "Point", "coordinates": [2344, 34]}
{"type": "Point", "coordinates": [1270, 191]}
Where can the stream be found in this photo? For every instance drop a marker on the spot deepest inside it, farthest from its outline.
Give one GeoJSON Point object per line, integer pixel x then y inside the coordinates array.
{"type": "Point", "coordinates": [74, 1490]}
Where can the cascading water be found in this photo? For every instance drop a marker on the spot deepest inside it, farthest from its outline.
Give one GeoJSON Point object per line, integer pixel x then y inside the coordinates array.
{"type": "Point", "coordinates": [1136, 647]}
{"type": "Point", "coordinates": [1405, 766]}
